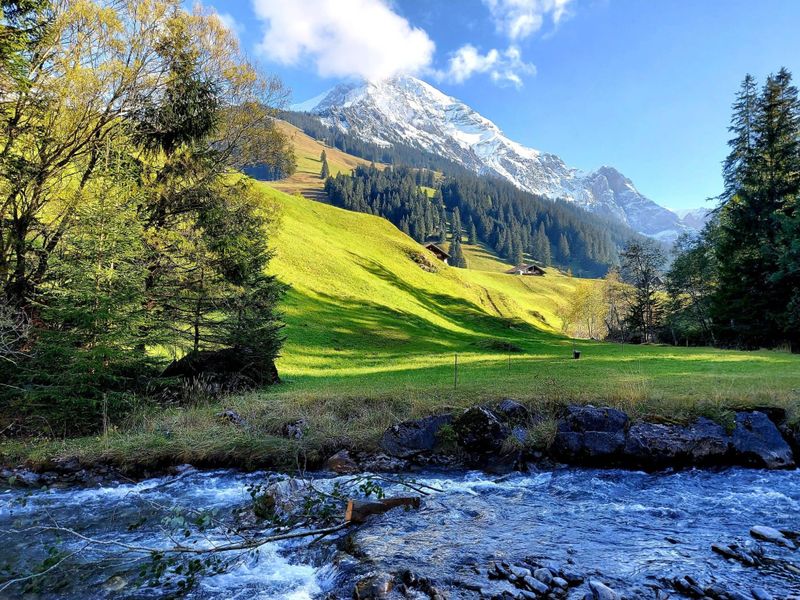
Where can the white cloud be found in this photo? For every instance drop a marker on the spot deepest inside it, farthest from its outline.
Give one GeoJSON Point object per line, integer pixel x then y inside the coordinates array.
{"type": "Point", "coordinates": [518, 19]}
{"type": "Point", "coordinates": [343, 38]}
{"type": "Point", "coordinates": [503, 67]}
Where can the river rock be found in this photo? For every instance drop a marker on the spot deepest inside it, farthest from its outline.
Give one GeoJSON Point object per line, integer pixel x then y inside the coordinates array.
{"type": "Point", "coordinates": [600, 591]}
{"type": "Point", "coordinates": [760, 593]}
{"type": "Point", "coordinates": [520, 572]}
{"type": "Point", "coordinates": [381, 463]}
{"type": "Point", "coordinates": [768, 534]}
{"type": "Point", "coordinates": [21, 477]}
{"type": "Point", "coordinates": [374, 587]}
{"type": "Point", "coordinates": [512, 412]}
{"type": "Point", "coordinates": [479, 430]}
{"type": "Point", "coordinates": [652, 445]}
{"type": "Point", "coordinates": [543, 575]}
{"type": "Point", "coordinates": [408, 438]}
{"type": "Point", "coordinates": [294, 430]}
{"type": "Point", "coordinates": [535, 585]}
{"type": "Point", "coordinates": [756, 442]}
{"type": "Point", "coordinates": [342, 463]}
{"type": "Point", "coordinates": [590, 434]}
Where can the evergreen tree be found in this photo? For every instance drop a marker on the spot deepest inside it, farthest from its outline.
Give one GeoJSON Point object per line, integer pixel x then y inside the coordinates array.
{"type": "Point", "coordinates": [473, 233]}
{"type": "Point", "coordinates": [754, 242]}
{"type": "Point", "coordinates": [325, 172]}
{"type": "Point", "coordinates": [563, 249]}
{"type": "Point", "coordinates": [641, 266]}
{"type": "Point", "coordinates": [541, 246]}
{"type": "Point", "coordinates": [457, 258]}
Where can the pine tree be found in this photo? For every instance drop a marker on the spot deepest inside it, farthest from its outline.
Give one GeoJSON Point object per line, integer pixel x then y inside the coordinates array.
{"type": "Point", "coordinates": [541, 246]}
{"type": "Point", "coordinates": [325, 172]}
{"type": "Point", "coordinates": [754, 240]}
{"type": "Point", "coordinates": [473, 233]}
{"type": "Point", "coordinates": [457, 258]}
{"type": "Point", "coordinates": [563, 249]}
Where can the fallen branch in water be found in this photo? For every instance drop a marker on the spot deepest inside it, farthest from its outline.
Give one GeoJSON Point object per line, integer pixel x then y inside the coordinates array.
{"type": "Point", "coordinates": [178, 549]}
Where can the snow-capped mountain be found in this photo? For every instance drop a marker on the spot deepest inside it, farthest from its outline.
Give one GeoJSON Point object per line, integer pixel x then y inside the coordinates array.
{"type": "Point", "coordinates": [695, 218]}
{"type": "Point", "coordinates": [409, 111]}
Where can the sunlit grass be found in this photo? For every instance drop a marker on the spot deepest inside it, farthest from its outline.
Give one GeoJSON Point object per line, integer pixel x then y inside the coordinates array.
{"type": "Point", "coordinates": [371, 338]}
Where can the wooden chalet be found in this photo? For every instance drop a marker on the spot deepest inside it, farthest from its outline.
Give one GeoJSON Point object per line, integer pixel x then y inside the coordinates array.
{"type": "Point", "coordinates": [438, 252]}
{"type": "Point", "coordinates": [526, 270]}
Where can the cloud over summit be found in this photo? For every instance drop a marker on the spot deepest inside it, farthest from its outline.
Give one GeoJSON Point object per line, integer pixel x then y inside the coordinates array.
{"type": "Point", "coordinates": [345, 38]}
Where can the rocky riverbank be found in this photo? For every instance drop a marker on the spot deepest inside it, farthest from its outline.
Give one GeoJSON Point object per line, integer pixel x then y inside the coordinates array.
{"type": "Point", "coordinates": [493, 438]}
{"type": "Point", "coordinates": [497, 439]}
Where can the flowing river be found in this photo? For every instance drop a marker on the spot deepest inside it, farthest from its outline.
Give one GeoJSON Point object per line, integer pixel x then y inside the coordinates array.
{"type": "Point", "coordinates": [627, 529]}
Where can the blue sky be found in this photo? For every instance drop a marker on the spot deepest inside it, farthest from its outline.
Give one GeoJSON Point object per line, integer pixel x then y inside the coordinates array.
{"type": "Point", "coordinates": [643, 85]}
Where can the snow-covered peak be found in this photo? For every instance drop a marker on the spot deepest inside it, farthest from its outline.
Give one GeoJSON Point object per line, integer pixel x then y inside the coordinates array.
{"type": "Point", "coordinates": [407, 110]}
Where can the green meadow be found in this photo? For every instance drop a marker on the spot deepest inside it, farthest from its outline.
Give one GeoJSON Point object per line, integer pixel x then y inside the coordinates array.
{"type": "Point", "coordinates": [372, 338]}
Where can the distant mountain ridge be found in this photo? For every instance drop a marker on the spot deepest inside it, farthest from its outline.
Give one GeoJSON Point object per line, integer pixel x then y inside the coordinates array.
{"type": "Point", "coordinates": [409, 111]}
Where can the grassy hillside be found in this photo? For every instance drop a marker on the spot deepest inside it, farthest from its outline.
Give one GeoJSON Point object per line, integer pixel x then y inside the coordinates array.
{"type": "Point", "coordinates": [306, 180]}
{"type": "Point", "coordinates": [371, 338]}
{"type": "Point", "coordinates": [364, 318]}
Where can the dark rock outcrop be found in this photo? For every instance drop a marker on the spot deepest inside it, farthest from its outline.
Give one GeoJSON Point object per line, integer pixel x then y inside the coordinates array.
{"type": "Point", "coordinates": [234, 368]}
{"type": "Point", "coordinates": [513, 413]}
{"type": "Point", "coordinates": [655, 446]}
{"type": "Point", "coordinates": [480, 431]}
{"type": "Point", "coordinates": [757, 442]}
{"type": "Point", "coordinates": [588, 434]}
{"type": "Point", "coordinates": [408, 438]}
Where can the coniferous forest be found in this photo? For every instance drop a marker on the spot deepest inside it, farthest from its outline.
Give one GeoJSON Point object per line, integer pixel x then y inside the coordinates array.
{"type": "Point", "coordinates": [516, 224]}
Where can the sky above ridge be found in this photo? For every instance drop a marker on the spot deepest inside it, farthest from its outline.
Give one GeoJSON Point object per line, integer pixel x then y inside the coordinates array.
{"type": "Point", "coordinates": [641, 85]}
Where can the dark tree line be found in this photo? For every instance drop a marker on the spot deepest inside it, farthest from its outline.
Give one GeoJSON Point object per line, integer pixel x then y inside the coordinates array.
{"type": "Point", "coordinates": [517, 224]}
{"type": "Point", "coordinates": [392, 194]}
{"type": "Point", "coordinates": [738, 283]}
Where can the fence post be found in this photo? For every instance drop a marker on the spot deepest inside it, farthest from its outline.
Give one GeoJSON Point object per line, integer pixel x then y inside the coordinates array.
{"type": "Point", "coordinates": [455, 371]}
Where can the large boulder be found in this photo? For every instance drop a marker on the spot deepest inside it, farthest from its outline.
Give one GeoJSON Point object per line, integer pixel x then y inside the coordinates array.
{"type": "Point", "coordinates": [757, 442]}
{"type": "Point", "coordinates": [654, 446]}
{"type": "Point", "coordinates": [480, 431]}
{"type": "Point", "coordinates": [408, 438]}
{"type": "Point", "coordinates": [589, 434]}
{"type": "Point", "coordinates": [230, 367]}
